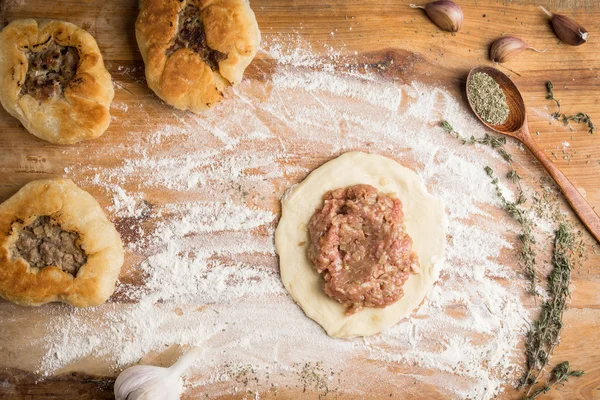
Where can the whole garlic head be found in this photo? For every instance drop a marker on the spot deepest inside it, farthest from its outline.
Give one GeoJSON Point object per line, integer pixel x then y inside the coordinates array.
{"type": "Point", "coordinates": [146, 382]}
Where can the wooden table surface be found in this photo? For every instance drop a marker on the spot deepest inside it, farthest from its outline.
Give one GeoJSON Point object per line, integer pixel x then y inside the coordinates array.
{"type": "Point", "coordinates": [380, 28]}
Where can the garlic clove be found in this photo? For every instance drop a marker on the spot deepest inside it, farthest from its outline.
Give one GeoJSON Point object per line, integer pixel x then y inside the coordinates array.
{"type": "Point", "coordinates": [567, 30]}
{"type": "Point", "coordinates": [444, 13]}
{"type": "Point", "coordinates": [146, 382]}
{"type": "Point", "coordinates": [506, 47]}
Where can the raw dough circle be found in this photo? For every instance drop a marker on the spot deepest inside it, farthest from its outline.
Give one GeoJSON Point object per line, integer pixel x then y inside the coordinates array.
{"type": "Point", "coordinates": [181, 77]}
{"type": "Point", "coordinates": [424, 220]}
{"type": "Point", "coordinates": [81, 112]}
{"type": "Point", "coordinates": [75, 210]}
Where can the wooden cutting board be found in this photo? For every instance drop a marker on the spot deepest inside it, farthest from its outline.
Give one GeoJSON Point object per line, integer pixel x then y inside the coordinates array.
{"type": "Point", "coordinates": [381, 30]}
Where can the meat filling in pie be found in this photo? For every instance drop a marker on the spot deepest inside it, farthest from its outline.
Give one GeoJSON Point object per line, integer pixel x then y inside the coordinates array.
{"type": "Point", "coordinates": [50, 70]}
{"type": "Point", "coordinates": [191, 35]}
{"type": "Point", "coordinates": [44, 243]}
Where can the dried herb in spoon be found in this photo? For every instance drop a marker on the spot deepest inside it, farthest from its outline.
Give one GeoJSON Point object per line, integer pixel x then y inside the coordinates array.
{"type": "Point", "coordinates": [488, 98]}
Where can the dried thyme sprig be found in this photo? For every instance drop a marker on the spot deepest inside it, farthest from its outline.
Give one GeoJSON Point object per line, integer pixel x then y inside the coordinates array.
{"type": "Point", "coordinates": [550, 96]}
{"type": "Point", "coordinates": [527, 253]}
{"type": "Point", "coordinates": [514, 208]}
{"type": "Point", "coordinates": [560, 374]}
{"type": "Point", "coordinates": [580, 117]}
{"type": "Point", "coordinates": [569, 250]}
{"type": "Point", "coordinates": [495, 142]}
{"type": "Point", "coordinates": [544, 333]}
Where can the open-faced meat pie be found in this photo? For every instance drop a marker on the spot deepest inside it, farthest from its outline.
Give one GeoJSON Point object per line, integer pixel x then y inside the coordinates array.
{"type": "Point", "coordinates": [53, 79]}
{"type": "Point", "coordinates": [193, 49]}
{"type": "Point", "coordinates": [56, 244]}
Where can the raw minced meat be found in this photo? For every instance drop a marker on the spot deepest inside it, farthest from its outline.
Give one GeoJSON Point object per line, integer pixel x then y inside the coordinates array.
{"type": "Point", "coordinates": [359, 244]}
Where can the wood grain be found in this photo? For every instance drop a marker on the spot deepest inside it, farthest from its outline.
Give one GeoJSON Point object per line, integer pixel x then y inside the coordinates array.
{"type": "Point", "coordinates": [379, 31]}
{"type": "Point", "coordinates": [517, 127]}
{"type": "Point", "coordinates": [584, 211]}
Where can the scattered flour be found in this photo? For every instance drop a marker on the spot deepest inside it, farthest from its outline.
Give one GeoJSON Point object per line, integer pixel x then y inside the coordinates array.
{"type": "Point", "coordinates": [202, 191]}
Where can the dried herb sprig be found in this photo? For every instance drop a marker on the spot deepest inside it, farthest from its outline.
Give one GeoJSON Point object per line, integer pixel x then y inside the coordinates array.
{"type": "Point", "coordinates": [521, 215]}
{"type": "Point", "coordinates": [560, 374]}
{"type": "Point", "coordinates": [495, 142]}
{"type": "Point", "coordinates": [580, 117]}
{"type": "Point", "coordinates": [550, 96]}
{"type": "Point", "coordinates": [569, 251]}
{"type": "Point", "coordinates": [544, 333]}
{"type": "Point", "coordinates": [527, 252]}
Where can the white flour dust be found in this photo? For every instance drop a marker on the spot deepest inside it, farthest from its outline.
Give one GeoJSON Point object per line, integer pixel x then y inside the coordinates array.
{"type": "Point", "coordinates": [196, 198]}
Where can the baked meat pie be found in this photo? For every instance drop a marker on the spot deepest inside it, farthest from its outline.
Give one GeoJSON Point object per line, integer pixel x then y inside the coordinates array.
{"type": "Point", "coordinates": [52, 78]}
{"type": "Point", "coordinates": [56, 244]}
{"type": "Point", "coordinates": [194, 49]}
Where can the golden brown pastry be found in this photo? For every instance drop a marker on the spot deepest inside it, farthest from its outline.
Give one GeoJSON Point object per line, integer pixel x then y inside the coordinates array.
{"type": "Point", "coordinates": [52, 78]}
{"type": "Point", "coordinates": [193, 49]}
{"type": "Point", "coordinates": [56, 244]}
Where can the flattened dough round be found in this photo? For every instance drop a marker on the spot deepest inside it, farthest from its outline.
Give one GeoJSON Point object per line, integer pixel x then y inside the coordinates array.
{"type": "Point", "coordinates": [81, 112]}
{"type": "Point", "coordinates": [423, 218]}
{"type": "Point", "coordinates": [75, 210]}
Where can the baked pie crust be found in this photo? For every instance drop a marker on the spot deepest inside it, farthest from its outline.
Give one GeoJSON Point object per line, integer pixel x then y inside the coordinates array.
{"type": "Point", "coordinates": [76, 212]}
{"type": "Point", "coordinates": [34, 59]}
{"type": "Point", "coordinates": [194, 49]}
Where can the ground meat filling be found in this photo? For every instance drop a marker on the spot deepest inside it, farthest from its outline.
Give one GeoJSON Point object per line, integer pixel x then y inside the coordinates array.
{"type": "Point", "coordinates": [50, 70]}
{"type": "Point", "coordinates": [359, 244]}
{"type": "Point", "coordinates": [191, 35]}
{"type": "Point", "coordinates": [43, 243]}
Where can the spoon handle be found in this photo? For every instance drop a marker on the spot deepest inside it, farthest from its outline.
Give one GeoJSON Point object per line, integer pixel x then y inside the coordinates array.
{"type": "Point", "coordinates": [582, 208]}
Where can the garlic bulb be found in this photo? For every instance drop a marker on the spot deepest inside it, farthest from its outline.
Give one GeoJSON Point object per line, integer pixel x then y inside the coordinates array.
{"type": "Point", "coordinates": [506, 47]}
{"type": "Point", "coordinates": [146, 382]}
{"type": "Point", "coordinates": [444, 13]}
{"type": "Point", "coordinates": [567, 30]}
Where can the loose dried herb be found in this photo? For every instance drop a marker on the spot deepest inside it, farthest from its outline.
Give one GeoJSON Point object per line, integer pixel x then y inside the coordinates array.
{"type": "Point", "coordinates": [527, 253]}
{"type": "Point", "coordinates": [313, 376]}
{"type": "Point", "coordinates": [544, 333]}
{"type": "Point", "coordinates": [580, 117]}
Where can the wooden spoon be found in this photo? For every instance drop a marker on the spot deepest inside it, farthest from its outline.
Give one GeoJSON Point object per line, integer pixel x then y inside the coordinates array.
{"type": "Point", "coordinates": [516, 126]}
